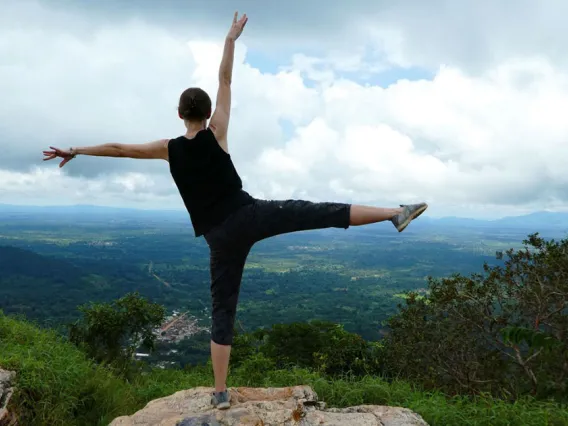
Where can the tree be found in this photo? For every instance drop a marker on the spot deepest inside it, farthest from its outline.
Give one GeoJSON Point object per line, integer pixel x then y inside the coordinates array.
{"type": "Point", "coordinates": [504, 331]}
{"type": "Point", "coordinates": [110, 333]}
{"type": "Point", "coordinates": [318, 345]}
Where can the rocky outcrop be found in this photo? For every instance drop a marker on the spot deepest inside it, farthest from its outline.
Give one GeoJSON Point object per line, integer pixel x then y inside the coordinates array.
{"type": "Point", "coordinates": [297, 406]}
{"type": "Point", "coordinates": [6, 391]}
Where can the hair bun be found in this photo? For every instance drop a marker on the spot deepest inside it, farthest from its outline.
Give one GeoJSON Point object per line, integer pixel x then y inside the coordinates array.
{"type": "Point", "coordinates": [194, 104]}
{"type": "Point", "coordinates": [191, 108]}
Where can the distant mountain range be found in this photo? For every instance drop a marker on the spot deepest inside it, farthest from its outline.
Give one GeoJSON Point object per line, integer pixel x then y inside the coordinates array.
{"type": "Point", "coordinates": [537, 220]}
{"type": "Point", "coordinates": [84, 208]}
{"type": "Point", "coordinates": [87, 212]}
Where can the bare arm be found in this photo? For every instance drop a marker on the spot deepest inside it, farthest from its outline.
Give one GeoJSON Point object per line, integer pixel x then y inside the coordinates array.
{"type": "Point", "coordinates": [151, 150]}
{"type": "Point", "coordinates": [219, 123]}
{"type": "Point", "coordinates": [220, 120]}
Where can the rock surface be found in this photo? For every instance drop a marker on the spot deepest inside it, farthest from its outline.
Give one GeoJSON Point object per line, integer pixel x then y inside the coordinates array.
{"type": "Point", "coordinates": [263, 407]}
{"type": "Point", "coordinates": [6, 391]}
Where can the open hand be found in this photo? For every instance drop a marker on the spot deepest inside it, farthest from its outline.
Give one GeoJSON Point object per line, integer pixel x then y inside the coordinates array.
{"type": "Point", "coordinates": [56, 152]}
{"type": "Point", "coordinates": [237, 26]}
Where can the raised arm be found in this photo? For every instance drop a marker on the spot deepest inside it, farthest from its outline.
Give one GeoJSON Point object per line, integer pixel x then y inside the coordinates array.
{"type": "Point", "coordinates": [151, 150]}
{"type": "Point", "coordinates": [219, 123]}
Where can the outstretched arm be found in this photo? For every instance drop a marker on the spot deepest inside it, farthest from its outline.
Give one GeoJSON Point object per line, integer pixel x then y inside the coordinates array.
{"type": "Point", "coordinates": [151, 150]}
{"type": "Point", "coordinates": [219, 123]}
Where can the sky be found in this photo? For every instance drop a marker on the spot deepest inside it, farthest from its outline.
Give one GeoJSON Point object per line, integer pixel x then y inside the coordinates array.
{"type": "Point", "coordinates": [459, 104]}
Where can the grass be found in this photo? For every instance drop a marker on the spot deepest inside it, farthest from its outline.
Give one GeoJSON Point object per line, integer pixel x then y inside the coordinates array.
{"type": "Point", "coordinates": [57, 385]}
{"type": "Point", "coordinates": [437, 409]}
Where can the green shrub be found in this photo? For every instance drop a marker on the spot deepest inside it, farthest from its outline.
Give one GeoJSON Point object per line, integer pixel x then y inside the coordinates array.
{"type": "Point", "coordinates": [110, 333]}
{"type": "Point", "coordinates": [503, 332]}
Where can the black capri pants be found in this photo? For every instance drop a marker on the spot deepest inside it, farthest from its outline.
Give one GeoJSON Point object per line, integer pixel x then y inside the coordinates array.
{"type": "Point", "coordinates": [231, 241]}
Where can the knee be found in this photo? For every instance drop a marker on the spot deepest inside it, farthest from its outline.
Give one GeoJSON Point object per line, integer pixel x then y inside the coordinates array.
{"type": "Point", "coordinates": [222, 328]}
{"type": "Point", "coordinates": [222, 337]}
{"type": "Point", "coordinates": [222, 340]}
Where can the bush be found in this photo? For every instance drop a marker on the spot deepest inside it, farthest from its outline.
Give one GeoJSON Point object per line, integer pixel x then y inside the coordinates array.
{"type": "Point", "coordinates": [318, 345]}
{"type": "Point", "coordinates": [502, 333]}
{"type": "Point", "coordinates": [110, 333]}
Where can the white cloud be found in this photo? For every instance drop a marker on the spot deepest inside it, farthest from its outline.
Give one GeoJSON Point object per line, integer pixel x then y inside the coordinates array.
{"type": "Point", "coordinates": [454, 140]}
{"type": "Point", "coordinates": [494, 141]}
{"type": "Point", "coordinates": [44, 186]}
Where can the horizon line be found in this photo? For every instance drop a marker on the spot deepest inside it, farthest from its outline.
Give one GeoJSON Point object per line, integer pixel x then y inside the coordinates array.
{"type": "Point", "coordinates": [183, 210]}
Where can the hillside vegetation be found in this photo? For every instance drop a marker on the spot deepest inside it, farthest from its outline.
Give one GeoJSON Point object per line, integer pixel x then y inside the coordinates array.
{"type": "Point", "coordinates": [59, 385]}
{"type": "Point", "coordinates": [488, 349]}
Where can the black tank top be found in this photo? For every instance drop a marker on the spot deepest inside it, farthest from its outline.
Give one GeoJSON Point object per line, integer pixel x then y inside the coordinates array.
{"type": "Point", "coordinates": [207, 180]}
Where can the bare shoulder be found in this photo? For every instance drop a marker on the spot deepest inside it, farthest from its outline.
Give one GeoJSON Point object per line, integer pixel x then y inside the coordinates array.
{"type": "Point", "coordinates": [157, 149]}
{"type": "Point", "coordinates": [164, 144]}
{"type": "Point", "coordinates": [160, 148]}
{"type": "Point", "coordinates": [220, 137]}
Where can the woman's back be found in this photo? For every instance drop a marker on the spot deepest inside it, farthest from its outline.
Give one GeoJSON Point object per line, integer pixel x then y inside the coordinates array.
{"type": "Point", "coordinates": [206, 178]}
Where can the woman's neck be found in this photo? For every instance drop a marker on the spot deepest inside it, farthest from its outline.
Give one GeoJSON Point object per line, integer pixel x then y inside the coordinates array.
{"type": "Point", "coordinates": [193, 128]}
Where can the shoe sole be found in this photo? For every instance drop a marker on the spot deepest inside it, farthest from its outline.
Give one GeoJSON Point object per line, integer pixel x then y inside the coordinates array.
{"type": "Point", "coordinates": [223, 406]}
{"type": "Point", "coordinates": [413, 216]}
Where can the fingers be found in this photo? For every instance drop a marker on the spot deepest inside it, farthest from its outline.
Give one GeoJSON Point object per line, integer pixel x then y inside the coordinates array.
{"type": "Point", "coordinates": [240, 22]}
{"type": "Point", "coordinates": [53, 153]}
{"type": "Point", "coordinates": [65, 161]}
{"type": "Point", "coordinates": [49, 155]}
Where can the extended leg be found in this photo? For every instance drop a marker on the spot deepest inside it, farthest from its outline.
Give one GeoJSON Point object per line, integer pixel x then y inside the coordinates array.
{"type": "Point", "coordinates": [272, 218]}
{"type": "Point", "coordinates": [400, 217]}
{"type": "Point", "coordinates": [364, 215]}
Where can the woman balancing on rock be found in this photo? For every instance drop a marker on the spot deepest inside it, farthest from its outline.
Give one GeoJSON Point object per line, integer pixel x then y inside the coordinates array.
{"type": "Point", "coordinates": [230, 219]}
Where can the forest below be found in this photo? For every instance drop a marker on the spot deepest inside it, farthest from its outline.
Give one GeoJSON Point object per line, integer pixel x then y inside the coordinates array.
{"type": "Point", "coordinates": [354, 277]}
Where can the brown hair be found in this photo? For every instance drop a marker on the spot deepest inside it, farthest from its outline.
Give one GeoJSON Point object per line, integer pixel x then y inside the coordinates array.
{"type": "Point", "coordinates": [194, 104]}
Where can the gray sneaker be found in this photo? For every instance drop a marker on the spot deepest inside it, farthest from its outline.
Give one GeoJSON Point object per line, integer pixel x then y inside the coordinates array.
{"type": "Point", "coordinates": [221, 400]}
{"type": "Point", "coordinates": [409, 213]}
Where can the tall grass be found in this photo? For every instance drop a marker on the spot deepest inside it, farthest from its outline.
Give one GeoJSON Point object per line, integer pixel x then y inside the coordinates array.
{"type": "Point", "coordinates": [57, 385]}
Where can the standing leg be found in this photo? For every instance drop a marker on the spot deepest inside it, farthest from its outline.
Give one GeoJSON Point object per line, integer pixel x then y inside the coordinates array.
{"type": "Point", "coordinates": [227, 265]}
{"type": "Point", "coordinates": [220, 356]}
